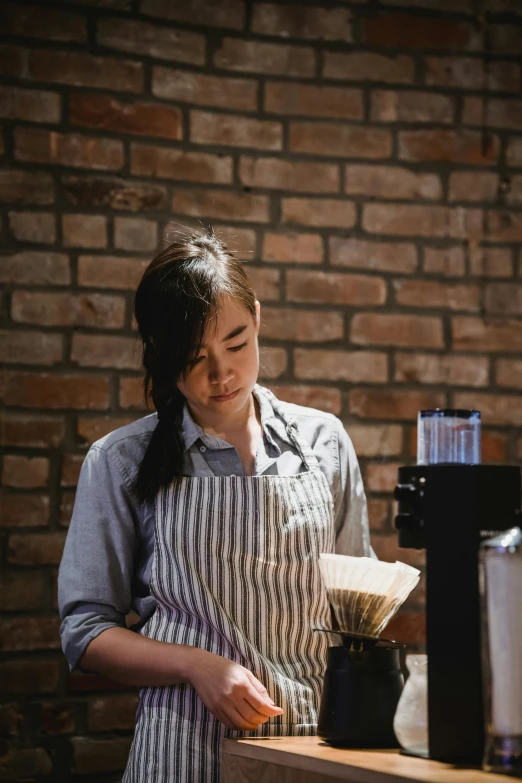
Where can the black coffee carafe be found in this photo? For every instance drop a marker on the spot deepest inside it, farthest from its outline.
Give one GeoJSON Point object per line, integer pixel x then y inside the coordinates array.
{"type": "Point", "coordinates": [362, 686]}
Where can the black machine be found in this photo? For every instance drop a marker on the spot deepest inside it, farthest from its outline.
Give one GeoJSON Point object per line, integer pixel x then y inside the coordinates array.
{"type": "Point", "coordinates": [448, 509]}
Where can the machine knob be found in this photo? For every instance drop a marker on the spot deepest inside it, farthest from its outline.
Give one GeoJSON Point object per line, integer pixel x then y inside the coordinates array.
{"type": "Point", "coordinates": [404, 492]}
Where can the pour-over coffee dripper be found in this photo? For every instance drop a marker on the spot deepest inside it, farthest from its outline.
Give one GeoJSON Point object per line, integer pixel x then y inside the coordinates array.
{"type": "Point", "coordinates": [363, 680]}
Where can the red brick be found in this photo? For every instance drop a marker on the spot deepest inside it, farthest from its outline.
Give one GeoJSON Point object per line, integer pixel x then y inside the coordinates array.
{"type": "Point", "coordinates": [17, 764]}
{"type": "Point", "coordinates": [494, 409]}
{"type": "Point", "coordinates": [393, 404]}
{"type": "Point", "coordinates": [342, 141]}
{"type": "Point", "coordinates": [312, 101]}
{"type": "Point", "coordinates": [409, 32]}
{"type": "Point", "coordinates": [35, 145]}
{"type": "Point", "coordinates": [491, 262]}
{"type": "Point", "coordinates": [135, 234]}
{"type": "Point", "coordinates": [407, 627]}
{"type": "Point", "coordinates": [470, 74]}
{"type": "Point", "coordinates": [50, 309]}
{"type": "Point", "coordinates": [422, 220]}
{"type": "Point", "coordinates": [111, 271]}
{"type": "Point", "coordinates": [112, 713]}
{"type": "Point", "coordinates": [473, 186]}
{"type": "Point", "coordinates": [84, 230]}
{"type": "Point", "coordinates": [168, 163]}
{"type": "Point", "coordinates": [378, 514]}
{"type": "Point", "coordinates": [19, 676]}
{"type": "Point", "coordinates": [227, 13]}
{"type": "Point", "coordinates": [473, 111]}
{"type": "Point", "coordinates": [514, 151]}
{"type": "Point", "coordinates": [497, 113]}
{"type": "Point", "coordinates": [151, 40]}
{"type": "Point", "coordinates": [504, 226]}
{"type": "Point", "coordinates": [447, 145]}
{"type": "Point", "coordinates": [337, 289]}
{"type": "Point", "coordinates": [13, 60]}
{"type": "Point", "coordinates": [441, 369]}
{"type": "Point", "coordinates": [20, 510]}
{"type": "Point", "coordinates": [35, 268]}
{"type": "Point", "coordinates": [265, 282]}
{"type": "Point", "coordinates": [202, 89]}
{"type": "Point", "coordinates": [494, 447]}
{"type": "Point", "coordinates": [57, 717]}
{"type": "Point", "coordinates": [390, 106]}
{"type": "Point", "coordinates": [66, 508]}
{"type": "Point", "coordinates": [509, 373]}
{"type": "Point", "coordinates": [301, 325]}
{"type": "Point", "coordinates": [237, 54]}
{"type": "Point", "coordinates": [382, 477]}
{"type": "Point", "coordinates": [368, 66]}
{"type": "Point", "coordinates": [35, 549]}
{"type": "Point", "coordinates": [323, 398]}
{"type": "Point", "coordinates": [33, 226]}
{"type": "Point", "coordinates": [294, 248]}
{"type": "Point", "coordinates": [85, 70]}
{"type": "Point", "coordinates": [100, 755]}
{"type": "Point", "coordinates": [104, 113]}
{"type": "Point", "coordinates": [278, 174]}
{"type": "Point", "coordinates": [131, 393]}
{"type": "Point", "coordinates": [71, 467]}
{"type": "Point", "coordinates": [43, 390]}
{"type": "Point", "coordinates": [239, 241]}
{"type": "Point", "coordinates": [318, 212]}
{"type": "Point", "coordinates": [390, 182]}
{"type": "Point", "coordinates": [35, 21]}
{"type": "Point", "coordinates": [350, 366]}
{"type": "Point", "coordinates": [399, 258]}
{"type": "Point", "coordinates": [506, 37]}
{"type": "Point", "coordinates": [29, 633]}
{"type": "Point", "coordinates": [427, 293]}
{"type": "Point", "coordinates": [22, 592]}
{"type": "Point", "coordinates": [24, 472]}
{"type": "Point", "coordinates": [221, 204]}
{"type": "Point", "coordinates": [446, 262]}
{"type": "Point", "coordinates": [375, 440]}
{"type": "Point", "coordinates": [96, 350]}
{"type": "Point", "coordinates": [474, 334]}
{"type": "Point", "coordinates": [397, 330]}
{"type": "Point", "coordinates": [231, 130]}
{"type": "Point", "coordinates": [92, 429]}
{"type": "Point", "coordinates": [25, 187]}
{"type": "Point", "coordinates": [18, 429]}
{"type": "Point", "coordinates": [114, 193]}
{"type": "Point", "coordinates": [514, 193]}
{"type": "Point", "coordinates": [21, 347]}
{"type": "Point", "coordinates": [302, 21]}
{"type": "Point", "coordinates": [272, 362]}
{"type": "Point", "coordinates": [503, 298]}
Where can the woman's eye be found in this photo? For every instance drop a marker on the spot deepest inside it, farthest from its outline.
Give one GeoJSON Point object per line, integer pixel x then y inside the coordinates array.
{"type": "Point", "coordinates": [196, 361]}
{"type": "Point", "coordinates": [237, 347]}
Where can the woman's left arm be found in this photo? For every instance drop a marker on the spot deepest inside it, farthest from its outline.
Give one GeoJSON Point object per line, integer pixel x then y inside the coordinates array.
{"type": "Point", "coordinates": [350, 506]}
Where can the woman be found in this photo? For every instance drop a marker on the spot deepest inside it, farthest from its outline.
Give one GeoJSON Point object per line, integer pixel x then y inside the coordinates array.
{"type": "Point", "coordinates": [208, 518]}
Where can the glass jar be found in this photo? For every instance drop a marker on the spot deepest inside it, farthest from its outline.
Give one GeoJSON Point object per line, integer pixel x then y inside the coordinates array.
{"type": "Point", "coordinates": [411, 718]}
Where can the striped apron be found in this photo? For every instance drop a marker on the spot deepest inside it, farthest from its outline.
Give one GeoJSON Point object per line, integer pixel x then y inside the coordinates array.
{"type": "Point", "coordinates": [235, 572]}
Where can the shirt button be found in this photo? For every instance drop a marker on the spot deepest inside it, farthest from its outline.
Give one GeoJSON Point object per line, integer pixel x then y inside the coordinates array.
{"type": "Point", "coordinates": [202, 448]}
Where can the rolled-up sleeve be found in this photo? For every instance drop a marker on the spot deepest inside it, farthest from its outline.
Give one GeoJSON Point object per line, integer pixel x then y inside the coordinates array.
{"type": "Point", "coordinates": [96, 570]}
{"type": "Point", "coordinates": [350, 506]}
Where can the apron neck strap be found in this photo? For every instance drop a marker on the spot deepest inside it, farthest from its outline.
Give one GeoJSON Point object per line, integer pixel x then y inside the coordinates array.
{"type": "Point", "coordinates": [305, 452]}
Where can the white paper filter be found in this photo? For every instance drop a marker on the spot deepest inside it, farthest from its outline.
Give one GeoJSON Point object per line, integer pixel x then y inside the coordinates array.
{"type": "Point", "coordinates": [365, 593]}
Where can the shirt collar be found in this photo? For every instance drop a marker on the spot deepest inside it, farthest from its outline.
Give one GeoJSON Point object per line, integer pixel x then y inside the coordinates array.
{"type": "Point", "coordinates": [270, 423]}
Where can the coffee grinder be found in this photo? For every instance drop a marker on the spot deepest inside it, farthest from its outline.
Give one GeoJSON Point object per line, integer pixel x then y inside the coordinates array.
{"type": "Point", "coordinates": [363, 680]}
{"type": "Point", "coordinates": [447, 504]}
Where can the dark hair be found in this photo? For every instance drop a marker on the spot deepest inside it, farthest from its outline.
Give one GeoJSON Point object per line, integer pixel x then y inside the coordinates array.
{"type": "Point", "coordinates": [181, 289]}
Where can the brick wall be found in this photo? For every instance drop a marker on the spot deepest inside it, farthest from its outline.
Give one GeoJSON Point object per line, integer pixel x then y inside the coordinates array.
{"type": "Point", "coordinates": [364, 158]}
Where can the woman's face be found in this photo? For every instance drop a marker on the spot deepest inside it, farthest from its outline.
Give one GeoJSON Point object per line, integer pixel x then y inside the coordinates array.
{"type": "Point", "coordinates": [221, 378]}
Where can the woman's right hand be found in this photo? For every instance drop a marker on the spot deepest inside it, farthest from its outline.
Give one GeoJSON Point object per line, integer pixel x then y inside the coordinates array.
{"type": "Point", "coordinates": [230, 691]}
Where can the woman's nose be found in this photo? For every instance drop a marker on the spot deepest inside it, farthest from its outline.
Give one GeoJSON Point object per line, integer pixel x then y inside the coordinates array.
{"type": "Point", "coordinates": [220, 372]}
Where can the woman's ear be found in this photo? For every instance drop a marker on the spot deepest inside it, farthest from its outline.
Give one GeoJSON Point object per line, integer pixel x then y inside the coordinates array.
{"type": "Point", "coordinates": [258, 316]}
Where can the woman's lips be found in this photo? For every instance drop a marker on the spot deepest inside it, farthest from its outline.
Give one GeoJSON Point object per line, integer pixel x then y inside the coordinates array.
{"type": "Point", "coordinates": [226, 397]}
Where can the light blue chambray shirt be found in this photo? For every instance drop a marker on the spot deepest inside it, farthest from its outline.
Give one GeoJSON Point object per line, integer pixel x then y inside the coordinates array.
{"type": "Point", "coordinates": [106, 565]}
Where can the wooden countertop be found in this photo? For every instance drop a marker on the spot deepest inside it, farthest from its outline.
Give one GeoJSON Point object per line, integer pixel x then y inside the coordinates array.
{"type": "Point", "coordinates": [310, 759]}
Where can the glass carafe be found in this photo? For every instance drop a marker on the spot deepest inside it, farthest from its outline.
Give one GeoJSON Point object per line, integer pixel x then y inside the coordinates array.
{"type": "Point", "coordinates": [411, 718]}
